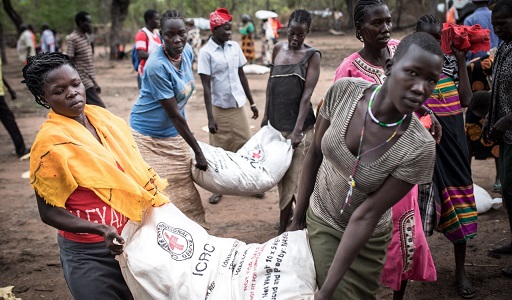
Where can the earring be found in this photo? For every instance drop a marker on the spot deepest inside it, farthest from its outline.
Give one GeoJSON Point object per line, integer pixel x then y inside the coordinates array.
{"type": "Point", "coordinates": [358, 36]}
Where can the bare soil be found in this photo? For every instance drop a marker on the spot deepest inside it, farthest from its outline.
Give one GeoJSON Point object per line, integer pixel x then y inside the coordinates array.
{"type": "Point", "coordinates": [29, 258]}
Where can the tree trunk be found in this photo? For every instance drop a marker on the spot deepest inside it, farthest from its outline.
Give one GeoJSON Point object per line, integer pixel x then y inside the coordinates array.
{"type": "Point", "coordinates": [118, 12]}
{"type": "Point", "coordinates": [350, 13]}
{"type": "Point", "coordinates": [15, 17]}
{"type": "Point", "coordinates": [399, 5]}
{"type": "Point", "coordinates": [2, 46]}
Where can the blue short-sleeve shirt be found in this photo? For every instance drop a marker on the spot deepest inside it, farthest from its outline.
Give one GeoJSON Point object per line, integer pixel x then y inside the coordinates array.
{"type": "Point", "coordinates": [161, 81]}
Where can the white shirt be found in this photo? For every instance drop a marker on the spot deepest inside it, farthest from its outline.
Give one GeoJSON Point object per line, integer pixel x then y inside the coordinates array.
{"type": "Point", "coordinates": [222, 64]}
{"type": "Point", "coordinates": [47, 41]}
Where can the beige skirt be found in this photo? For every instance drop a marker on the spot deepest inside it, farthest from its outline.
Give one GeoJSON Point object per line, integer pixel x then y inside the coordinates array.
{"type": "Point", "coordinates": [170, 158]}
{"type": "Point", "coordinates": [234, 129]}
{"type": "Point", "coordinates": [289, 184]}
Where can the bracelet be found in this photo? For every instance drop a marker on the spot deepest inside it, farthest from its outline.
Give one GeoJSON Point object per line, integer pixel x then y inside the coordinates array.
{"type": "Point", "coordinates": [253, 105]}
{"type": "Point", "coordinates": [428, 112]}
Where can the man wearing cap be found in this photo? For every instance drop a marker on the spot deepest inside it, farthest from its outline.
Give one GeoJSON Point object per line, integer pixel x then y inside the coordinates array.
{"type": "Point", "coordinates": [226, 89]}
{"type": "Point", "coordinates": [482, 16]}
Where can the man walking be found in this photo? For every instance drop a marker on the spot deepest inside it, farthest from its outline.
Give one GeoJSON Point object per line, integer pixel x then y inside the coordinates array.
{"type": "Point", "coordinates": [79, 48]}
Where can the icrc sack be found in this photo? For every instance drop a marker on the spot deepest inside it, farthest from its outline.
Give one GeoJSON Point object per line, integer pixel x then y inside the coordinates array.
{"type": "Point", "coordinates": [255, 168]}
{"type": "Point", "coordinates": [168, 256]}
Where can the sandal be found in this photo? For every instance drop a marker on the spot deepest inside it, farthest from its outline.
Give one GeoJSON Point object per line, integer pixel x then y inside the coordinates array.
{"type": "Point", "coordinates": [214, 198]}
{"type": "Point", "coordinates": [496, 188]}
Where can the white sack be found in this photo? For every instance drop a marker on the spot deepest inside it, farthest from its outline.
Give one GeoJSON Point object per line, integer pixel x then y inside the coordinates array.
{"type": "Point", "coordinates": [484, 201]}
{"type": "Point", "coordinates": [255, 168]}
{"type": "Point", "coordinates": [168, 256]}
{"type": "Point", "coordinates": [255, 69]}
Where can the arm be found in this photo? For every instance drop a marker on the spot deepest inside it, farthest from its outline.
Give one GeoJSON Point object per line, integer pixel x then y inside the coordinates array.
{"type": "Point", "coordinates": [142, 54]}
{"type": "Point", "coordinates": [245, 85]}
{"type": "Point", "coordinates": [61, 219]}
{"type": "Point", "coordinates": [312, 163]}
{"type": "Point", "coordinates": [360, 228]}
{"type": "Point", "coordinates": [500, 128]}
{"type": "Point", "coordinates": [277, 48]}
{"type": "Point", "coordinates": [436, 129]}
{"type": "Point", "coordinates": [313, 72]}
{"type": "Point", "coordinates": [207, 91]}
{"type": "Point", "coordinates": [464, 89]}
{"type": "Point", "coordinates": [171, 108]}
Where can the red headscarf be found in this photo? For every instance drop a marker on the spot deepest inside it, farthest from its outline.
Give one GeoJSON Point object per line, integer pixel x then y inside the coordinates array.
{"type": "Point", "coordinates": [219, 17]}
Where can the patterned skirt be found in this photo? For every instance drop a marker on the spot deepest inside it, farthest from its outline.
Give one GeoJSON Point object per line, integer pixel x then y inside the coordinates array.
{"type": "Point", "coordinates": [408, 255]}
{"type": "Point", "coordinates": [248, 48]}
{"type": "Point", "coordinates": [452, 177]}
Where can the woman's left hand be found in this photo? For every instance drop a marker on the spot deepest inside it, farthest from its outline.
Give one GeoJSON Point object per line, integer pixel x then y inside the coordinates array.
{"type": "Point", "coordinates": [436, 129]}
{"type": "Point", "coordinates": [460, 55]}
{"type": "Point", "coordinates": [113, 240]}
{"type": "Point", "coordinates": [297, 139]}
{"type": "Point", "coordinates": [255, 112]}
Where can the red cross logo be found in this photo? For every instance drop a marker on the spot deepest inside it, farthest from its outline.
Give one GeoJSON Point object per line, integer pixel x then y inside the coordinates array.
{"type": "Point", "coordinates": [173, 242]}
{"type": "Point", "coordinates": [256, 155]}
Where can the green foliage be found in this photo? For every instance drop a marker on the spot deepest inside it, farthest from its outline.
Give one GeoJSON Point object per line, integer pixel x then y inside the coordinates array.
{"type": "Point", "coordinates": [59, 14]}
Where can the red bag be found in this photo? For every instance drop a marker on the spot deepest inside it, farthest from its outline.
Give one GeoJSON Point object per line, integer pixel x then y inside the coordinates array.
{"type": "Point", "coordinates": [467, 38]}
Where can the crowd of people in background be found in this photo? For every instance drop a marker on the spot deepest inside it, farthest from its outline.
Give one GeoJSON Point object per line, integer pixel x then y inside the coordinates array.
{"type": "Point", "coordinates": [384, 161]}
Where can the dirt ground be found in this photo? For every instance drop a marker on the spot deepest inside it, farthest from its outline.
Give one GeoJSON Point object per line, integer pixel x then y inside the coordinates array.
{"type": "Point", "coordinates": [29, 258]}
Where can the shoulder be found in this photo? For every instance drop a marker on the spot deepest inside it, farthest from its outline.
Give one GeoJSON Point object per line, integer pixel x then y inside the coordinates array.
{"type": "Point", "coordinates": [234, 45]}
{"type": "Point", "coordinates": [141, 35]}
{"type": "Point", "coordinates": [188, 51]}
{"type": "Point", "coordinates": [420, 137]}
{"type": "Point", "coordinates": [348, 88]}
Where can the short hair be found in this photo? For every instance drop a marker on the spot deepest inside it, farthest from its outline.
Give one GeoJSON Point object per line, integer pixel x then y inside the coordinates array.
{"type": "Point", "coordinates": [300, 16]}
{"type": "Point", "coordinates": [480, 100]}
{"type": "Point", "coordinates": [37, 68]}
{"type": "Point", "coordinates": [426, 19]}
{"type": "Point", "coordinates": [423, 40]}
{"type": "Point", "coordinates": [171, 14]}
{"type": "Point", "coordinates": [149, 14]}
{"type": "Point", "coordinates": [503, 6]}
{"type": "Point", "coordinates": [361, 8]}
{"type": "Point", "coordinates": [81, 17]}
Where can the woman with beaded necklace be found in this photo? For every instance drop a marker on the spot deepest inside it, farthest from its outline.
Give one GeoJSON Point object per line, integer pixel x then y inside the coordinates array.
{"type": "Point", "coordinates": [356, 169]}
{"type": "Point", "coordinates": [158, 117]}
{"type": "Point", "coordinates": [408, 254]}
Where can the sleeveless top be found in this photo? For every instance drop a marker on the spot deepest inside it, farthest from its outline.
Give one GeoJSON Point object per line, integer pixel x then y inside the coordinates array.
{"type": "Point", "coordinates": [286, 85]}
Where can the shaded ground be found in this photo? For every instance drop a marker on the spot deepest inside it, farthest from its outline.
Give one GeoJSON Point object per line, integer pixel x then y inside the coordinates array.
{"type": "Point", "coordinates": [28, 251]}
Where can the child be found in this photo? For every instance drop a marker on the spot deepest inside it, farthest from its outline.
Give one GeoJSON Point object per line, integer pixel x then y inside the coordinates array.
{"type": "Point", "coordinates": [478, 148]}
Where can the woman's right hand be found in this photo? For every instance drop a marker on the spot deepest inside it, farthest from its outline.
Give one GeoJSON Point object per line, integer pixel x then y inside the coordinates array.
{"type": "Point", "coordinates": [212, 126]}
{"type": "Point", "coordinates": [113, 240]}
{"type": "Point", "coordinates": [201, 162]}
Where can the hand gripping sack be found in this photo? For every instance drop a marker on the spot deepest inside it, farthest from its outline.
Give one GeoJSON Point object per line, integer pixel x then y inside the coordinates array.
{"type": "Point", "coordinates": [168, 256]}
{"type": "Point", "coordinates": [255, 168]}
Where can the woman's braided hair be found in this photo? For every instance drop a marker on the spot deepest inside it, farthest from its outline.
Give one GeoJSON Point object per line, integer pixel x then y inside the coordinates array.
{"type": "Point", "coordinates": [171, 14]}
{"type": "Point", "coordinates": [300, 16]}
{"type": "Point", "coordinates": [37, 69]}
{"type": "Point", "coordinates": [360, 10]}
{"type": "Point", "coordinates": [426, 19]}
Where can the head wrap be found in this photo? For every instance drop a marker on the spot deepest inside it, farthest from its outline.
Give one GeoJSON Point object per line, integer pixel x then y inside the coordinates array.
{"type": "Point", "coordinates": [219, 17]}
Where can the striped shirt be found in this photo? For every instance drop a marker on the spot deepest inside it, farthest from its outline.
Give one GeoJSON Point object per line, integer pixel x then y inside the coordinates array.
{"type": "Point", "coordinates": [445, 98]}
{"type": "Point", "coordinates": [410, 159]}
{"type": "Point", "coordinates": [79, 48]}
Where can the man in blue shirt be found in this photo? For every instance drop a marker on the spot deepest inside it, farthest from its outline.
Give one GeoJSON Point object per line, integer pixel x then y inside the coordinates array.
{"type": "Point", "coordinates": [482, 16]}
